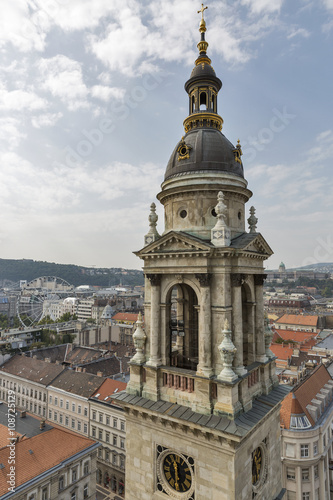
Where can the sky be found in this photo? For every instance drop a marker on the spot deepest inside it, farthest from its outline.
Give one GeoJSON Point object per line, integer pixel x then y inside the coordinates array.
{"type": "Point", "coordinates": [92, 103]}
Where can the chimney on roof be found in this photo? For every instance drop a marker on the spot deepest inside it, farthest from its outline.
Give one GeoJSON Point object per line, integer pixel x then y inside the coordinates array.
{"type": "Point", "coordinates": [47, 360]}
{"type": "Point", "coordinates": [42, 424]}
{"type": "Point", "coordinates": [84, 370]}
{"type": "Point", "coordinates": [34, 356]}
{"type": "Point", "coordinates": [99, 374]}
{"type": "Point", "coordinates": [78, 369]}
{"type": "Point", "coordinates": [23, 414]}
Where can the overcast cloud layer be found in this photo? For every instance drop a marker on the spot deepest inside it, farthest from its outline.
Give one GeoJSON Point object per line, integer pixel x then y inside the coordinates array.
{"type": "Point", "coordinates": [92, 104]}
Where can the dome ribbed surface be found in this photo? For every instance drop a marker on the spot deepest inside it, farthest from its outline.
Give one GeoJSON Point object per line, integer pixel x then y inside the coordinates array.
{"type": "Point", "coordinates": [210, 150]}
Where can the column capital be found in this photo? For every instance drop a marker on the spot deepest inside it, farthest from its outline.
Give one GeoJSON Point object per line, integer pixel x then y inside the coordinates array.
{"type": "Point", "coordinates": [204, 278]}
{"type": "Point", "coordinates": [155, 279]}
{"type": "Point", "coordinates": [237, 279]}
{"type": "Point", "coordinates": [259, 279]}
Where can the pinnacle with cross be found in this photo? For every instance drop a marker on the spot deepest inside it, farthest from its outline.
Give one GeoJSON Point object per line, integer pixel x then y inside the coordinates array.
{"type": "Point", "coordinates": [202, 10]}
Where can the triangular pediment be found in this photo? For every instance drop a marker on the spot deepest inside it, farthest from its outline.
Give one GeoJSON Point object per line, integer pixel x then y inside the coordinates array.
{"type": "Point", "coordinates": [252, 242]}
{"type": "Point", "coordinates": [176, 241]}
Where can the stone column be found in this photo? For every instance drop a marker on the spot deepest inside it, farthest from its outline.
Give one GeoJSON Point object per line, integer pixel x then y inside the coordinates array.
{"type": "Point", "coordinates": [321, 478]}
{"type": "Point", "coordinates": [237, 320]}
{"type": "Point", "coordinates": [155, 321]}
{"type": "Point", "coordinates": [259, 319]}
{"type": "Point", "coordinates": [204, 367]}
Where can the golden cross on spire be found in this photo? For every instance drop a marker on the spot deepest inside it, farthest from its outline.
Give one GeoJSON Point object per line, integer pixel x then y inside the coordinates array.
{"type": "Point", "coordinates": [202, 10]}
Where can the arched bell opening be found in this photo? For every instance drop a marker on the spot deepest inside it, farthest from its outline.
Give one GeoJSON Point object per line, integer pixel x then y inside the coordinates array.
{"type": "Point", "coordinates": [203, 101]}
{"type": "Point", "coordinates": [182, 327]}
{"type": "Point", "coordinates": [192, 104]}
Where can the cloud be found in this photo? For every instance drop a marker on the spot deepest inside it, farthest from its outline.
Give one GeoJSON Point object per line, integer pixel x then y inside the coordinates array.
{"type": "Point", "coordinates": [21, 100]}
{"type": "Point", "coordinates": [260, 6]}
{"type": "Point", "coordinates": [62, 77]}
{"type": "Point", "coordinates": [10, 132]}
{"type": "Point", "coordinates": [298, 32]}
{"type": "Point", "coordinates": [105, 93]}
{"type": "Point", "coordinates": [328, 4]}
{"type": "Point", "coordinates": [45, 120]}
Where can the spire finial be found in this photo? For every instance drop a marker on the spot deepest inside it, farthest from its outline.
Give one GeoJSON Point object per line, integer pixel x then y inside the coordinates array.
{"type": "Point", "coordinates": [202, 25]}
{"type": "Point", "coordinates": [252, 220]}
{"type": "Point", "coordinates": [220, 234]}
{"type": "Point", "coordinates": [152, 234]}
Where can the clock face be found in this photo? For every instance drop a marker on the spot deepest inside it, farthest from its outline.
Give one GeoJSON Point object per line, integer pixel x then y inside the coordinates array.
{"type": "Point", "coordinates": [177, 472]}
{"type": "Point", "coordinates": [257, 463]}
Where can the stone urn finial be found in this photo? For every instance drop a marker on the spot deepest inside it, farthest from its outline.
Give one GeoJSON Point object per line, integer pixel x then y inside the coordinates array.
{"type": "Point", "coordinates": [220, 234]}
{"type": "Point", "coordinates": [139, 339]}
{"type": "Point", "coordinates": [152, 234]}
{"type": "Point", "coordinates": [227, 353]}
{"type": "Point", "coordinates": [252, 220]}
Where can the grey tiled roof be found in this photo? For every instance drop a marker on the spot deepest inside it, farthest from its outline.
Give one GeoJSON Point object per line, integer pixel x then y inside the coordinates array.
{"type": "Point", "coordinates": [238, 427]}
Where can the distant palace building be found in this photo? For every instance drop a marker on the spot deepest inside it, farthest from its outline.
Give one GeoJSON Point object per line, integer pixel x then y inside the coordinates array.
{"type": "Point", "coordinates": [282, 274]}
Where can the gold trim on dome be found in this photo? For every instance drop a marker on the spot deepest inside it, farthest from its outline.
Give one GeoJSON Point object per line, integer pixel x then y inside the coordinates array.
{"type": "Point", "coordinates": [203, 119]}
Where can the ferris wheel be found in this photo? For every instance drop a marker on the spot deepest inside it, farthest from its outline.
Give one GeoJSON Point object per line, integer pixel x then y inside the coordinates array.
{"type": "Point", "coordinates": [39, 297]}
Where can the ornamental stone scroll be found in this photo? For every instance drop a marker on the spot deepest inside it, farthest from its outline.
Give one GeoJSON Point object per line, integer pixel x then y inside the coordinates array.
{"type": "Point", "coordinates": [155, 279]}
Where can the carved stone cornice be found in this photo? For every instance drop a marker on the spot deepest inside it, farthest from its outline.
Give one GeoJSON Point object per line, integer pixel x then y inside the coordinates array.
{"type": "Point", "coordinates": [204, 278]}
{"type": "Point", "coordinates": [155, 279]}
{"type": "Point", "coordinates": [259, 279]}
{"type": "Point", "coordinates": [237, 279]}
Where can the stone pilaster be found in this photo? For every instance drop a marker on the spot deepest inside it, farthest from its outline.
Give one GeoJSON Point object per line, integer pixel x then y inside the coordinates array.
{"type": "Point", "coordinates": [155, 321]}
{"type": "Point", "coordinates": [237, 319]}
{"type": "Point", "coordinates": [204, 368]}
{"type": "Point", "coordinates": [259, 319]}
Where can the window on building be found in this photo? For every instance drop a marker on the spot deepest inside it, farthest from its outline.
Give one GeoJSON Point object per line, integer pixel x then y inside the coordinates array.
{"type": "Point", "coordinates": [291, 473]}
{"type": "Point", "coordinates": [100, 453]}
{"type": "Point", "coordinates": [45, 495]}
{"type": "Point", "coordinates": [101, 418]}
{"type": "Point", "coordinates": [317, 494]}
{"type": "Point", "coordinates": [93, 432]}
{"type": "Point", "coordinates": [107, 437]}
{"type": "Point", "coordinates": [74, 474]}
{"type": "Point", "coordinates": [79, 425]}
{"type": "Point", "coordinates": [50, 399]}
{"type": "Point", "coordinates": [86, 468]}
{"type": "Point", "coordinates": [115, 422]}
{"type": "Point", "coordinates": [305, 475]}
{"type": "Point", "coordinates": [56, 401]}
{"type": "Point", "coordinates": [290, 450]}
{"type": "Point", "coordinates": [67, 405]}
{"type": "Point", "coordinates": [122, 461]}
{"type": "Point", "coordinates": [85, 428]}
{"type": "Point", "coordinates": [315, 448]}
{"type": "Point", "coordinates": [93, 415]}
{"type": "Point", "coordinates": [66, 421]}
{"type": "Point", "coordinates": [114, 439]}
{"type": "Point", "coordinates": [306, 495]}
{"type": "Point", "coordinates": [107, 455]}
{"type": "Point", "coordinates": [291, 495]}
{"type": "Point", "coordinates": [114, 459]}
{"type": "Point", "coordinates": [50, 414]}
{"type": "Point", "coordinates": [73, 406]}
{"type": "Point", "coordinates": [79, 409]}
{"type": "Point", "coordinates": [316, 471]}
{"type": "Point", "coordinates": [107, 420]}
{"type": "Point", "coordinates": [100, 434]}
{"type": "Point", "coordinates": [73, 423]}
{"type": "Point", "coordinates": [61, 482]}
{"type": "Point", "coordinates": [85, 491]}
{"type": "Point", "coordinates": [61, 403]}
{"type": "Point", "coordinates": [122, 425]}
{"type": "Point", "coordinates": [61, 418]}
{"type": "Point", "coordinates": [304, 450]}
{"type": "Point", "coordinates": [73, 495]}
{"type": "Point", "coordinates": [122, 443]}
{"type": "Point", "coordinates": [324, 440]}
{"type": "Point", "coordinates": [85, 411]}
{"type": "Point", "coordinates": [55, 416]}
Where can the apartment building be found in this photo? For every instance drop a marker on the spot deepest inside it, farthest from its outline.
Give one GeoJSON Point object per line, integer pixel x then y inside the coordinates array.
{"type": "Point", "coordinates": [68, 399]}
{"type": "Point", "coordinates": [45, 469]}
{"type": "Point", "coordinates": [108, 426]}
{"type": "Point", "coordinates": [306, 418]}
{"type": "Point", "coordinates": [28, 378]}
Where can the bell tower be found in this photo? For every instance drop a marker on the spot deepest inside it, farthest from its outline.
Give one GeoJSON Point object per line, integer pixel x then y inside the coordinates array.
{"type": "Point", "coordinates": [203, 398]}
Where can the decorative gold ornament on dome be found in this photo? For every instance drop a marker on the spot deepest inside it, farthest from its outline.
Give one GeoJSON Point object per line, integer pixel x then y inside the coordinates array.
{"type": "Point", "coordinates": [238, 152]}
